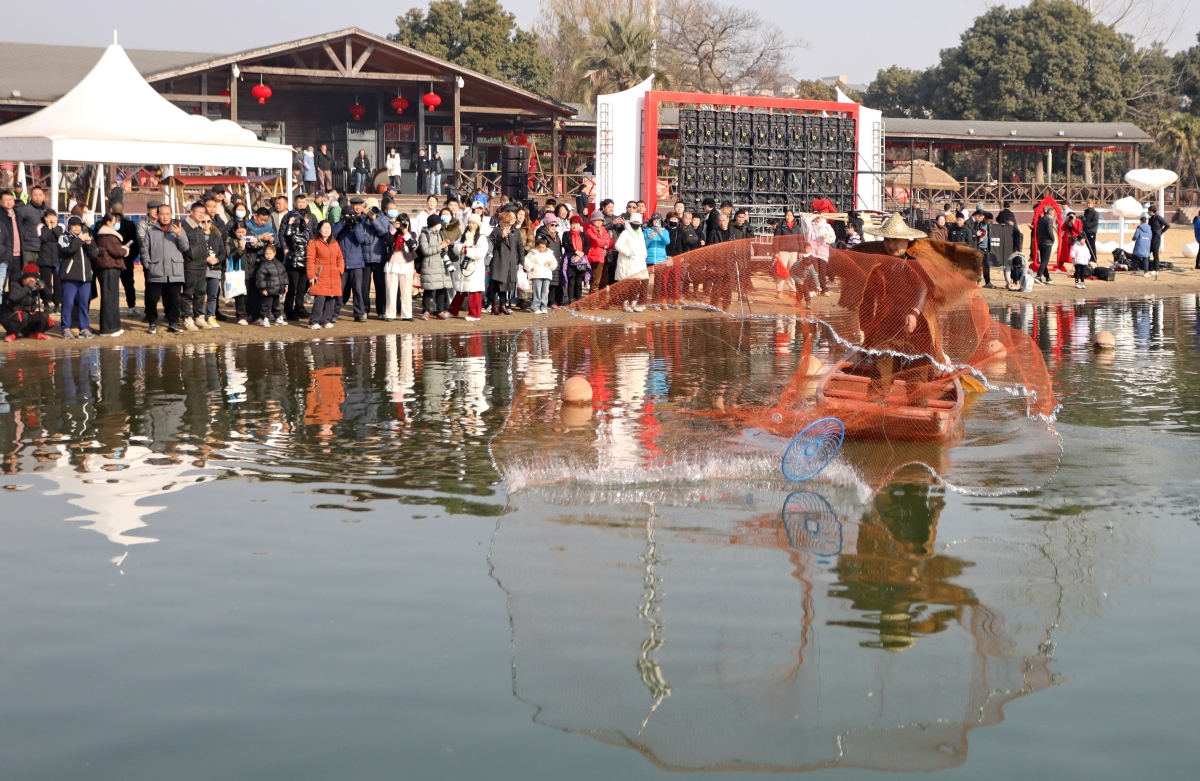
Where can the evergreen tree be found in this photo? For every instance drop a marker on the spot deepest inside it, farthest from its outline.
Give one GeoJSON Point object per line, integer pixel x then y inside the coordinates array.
{"type": "Point", "coordinates": [480, 35]}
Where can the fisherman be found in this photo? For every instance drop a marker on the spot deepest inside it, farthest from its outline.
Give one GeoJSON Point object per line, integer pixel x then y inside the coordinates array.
{"type": "Point", "coordinates": [896, 312]}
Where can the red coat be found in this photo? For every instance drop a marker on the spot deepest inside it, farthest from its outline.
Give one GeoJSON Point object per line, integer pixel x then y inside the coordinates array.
{"type": "Point", "coordinates": [599, 242]}
{"type": "Point", "coordinates": [325, 265]}
{"type": "Point", "coordinates": [1066, 239]}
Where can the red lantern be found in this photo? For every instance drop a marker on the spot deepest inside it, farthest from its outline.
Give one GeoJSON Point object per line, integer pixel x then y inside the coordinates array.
{"type": "Point", "coordinates": [431, 101]}
{"type": "Point", "coordinates": [224, 93]}
{"type": "Point", "coordinates": [262, 92]}
{"type": "Point", "coordinates": [399, 104]}
{"type": "Point", "coordinates": [358, 111]}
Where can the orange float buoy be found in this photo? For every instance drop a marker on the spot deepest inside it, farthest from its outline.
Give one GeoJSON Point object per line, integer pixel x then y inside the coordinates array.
{"type": "Point", "coordinates": [812, 366]}
{"type": "Point", "coordinates": [577, 390]}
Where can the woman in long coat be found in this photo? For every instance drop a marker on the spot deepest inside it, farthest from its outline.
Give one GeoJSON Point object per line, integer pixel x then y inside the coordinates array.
{"type": "Point", "coordinates": [325, 266]}
{"type": "Point", "coordinates": [508, 253]}
{"type": "Point", "coordinates": [435, 280]}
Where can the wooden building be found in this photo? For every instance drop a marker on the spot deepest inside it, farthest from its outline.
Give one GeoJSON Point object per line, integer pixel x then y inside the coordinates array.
{"type": "Point", "coordinates": [339, 88]}
{"type": "Point", "coordinates": [1025, 161]}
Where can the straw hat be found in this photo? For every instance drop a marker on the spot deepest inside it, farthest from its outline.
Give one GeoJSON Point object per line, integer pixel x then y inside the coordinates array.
{"type": "Point", "coordinates": [894, 227]}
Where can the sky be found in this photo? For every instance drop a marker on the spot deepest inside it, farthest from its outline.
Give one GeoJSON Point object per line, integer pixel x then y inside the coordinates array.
{"type": "Point", "coordinates": [856, 40]}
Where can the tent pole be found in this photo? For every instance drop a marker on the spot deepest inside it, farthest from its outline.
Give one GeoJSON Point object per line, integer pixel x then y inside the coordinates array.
{"type": "Point", "coordinates": [54, 183]}
{"type": "Point", "coordinates": [288, 180]}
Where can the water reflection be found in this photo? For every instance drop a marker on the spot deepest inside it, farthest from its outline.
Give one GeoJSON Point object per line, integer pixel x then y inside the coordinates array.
{"type": "Point", "coordinates": [707, 631]}
{"type": "Point", "coordinates": [112, 427]}
{"type": "Point", "coordinates": [409, 417]}
{"type": "Point", "coordinates": [1150, 379]}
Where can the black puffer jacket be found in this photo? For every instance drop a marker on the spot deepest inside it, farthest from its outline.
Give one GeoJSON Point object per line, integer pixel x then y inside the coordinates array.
{"type": "Point", "coordinates": [77, 258]}
{"type": "Point", "coordinates": [48, 251]}
{"type": "Point", "coordinates": [271, 277]}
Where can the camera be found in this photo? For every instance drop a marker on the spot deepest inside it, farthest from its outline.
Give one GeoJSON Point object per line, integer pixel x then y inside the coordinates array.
{"type": "Point", "coordinates": [352, 220]}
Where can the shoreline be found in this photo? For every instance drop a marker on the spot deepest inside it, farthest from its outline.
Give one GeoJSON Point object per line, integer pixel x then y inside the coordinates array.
{"type": "Point", "coordinates": [1179, 281]}
{"type": "Point", "coordinates": [1171, 283]}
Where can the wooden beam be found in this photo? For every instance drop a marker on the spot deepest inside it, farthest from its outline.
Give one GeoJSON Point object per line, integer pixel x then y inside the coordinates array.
{"type": "Point", "coordinates": [514, 112]}
{"type": "Point", "coordinates": [362, 60]}
{"type": "Point", "coordinates": [457, 133]}
{"type": "Point", "coordinates": [314, 73]}
{"type": "Point", "coordinates": [233, 94]}
{"type": "Point", "coordinates": [349, 56]}
{"type": "Point", "coordinates": [554, 166]}
{"type": "Point", "coordinates": [336, 62]}
{"type": "Point", "coordinates": [179, 98]}
{"type": "Point", "coordinates": [296, 59]}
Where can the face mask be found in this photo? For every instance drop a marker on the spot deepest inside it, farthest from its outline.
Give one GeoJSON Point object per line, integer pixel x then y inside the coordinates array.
{"type": "Point", "coordinates": [117, 225]}
{"type": "Point", "coordinates": [241, 214]}
{"type": "Point", "coordinates": [393, 213]}
{"type": "Point", "coordinates": [445, 218]}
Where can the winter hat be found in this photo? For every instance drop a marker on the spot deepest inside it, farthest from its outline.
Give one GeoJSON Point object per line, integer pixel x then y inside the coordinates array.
{"type": "Point", "coordinates": [550, 219]}
{"type": "Point", "coordinates": [597, 216]}
{"type": "Point", "coordinates": [74, 221]}
{"type": "Point", "coordinates": [30, 268]}
{"type": "Point", "coordinates": [433, 219]}
{"type": "Point", "coordinates": [635, 218]}
{"type": "Point", "coordinates": [474, 218]}
{"type": "Point", "coordinates": [576, 219]}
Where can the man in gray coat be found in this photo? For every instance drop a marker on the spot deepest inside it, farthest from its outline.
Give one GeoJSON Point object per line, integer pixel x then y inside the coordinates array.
{"type": "Point", "coordinates": [165, 245]}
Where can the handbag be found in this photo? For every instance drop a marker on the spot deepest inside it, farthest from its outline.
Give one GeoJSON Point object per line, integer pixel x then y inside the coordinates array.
{"type": "Point", "coordinates": [235, 280]}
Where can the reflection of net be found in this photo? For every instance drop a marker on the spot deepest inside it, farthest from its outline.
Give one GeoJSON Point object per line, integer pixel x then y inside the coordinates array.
{"type": "Point", "coordinates": [811, 524]}
{"type": "Point", "coordinates": [763, 658]}
{"type": "Point", "coordinates": [900, 356]}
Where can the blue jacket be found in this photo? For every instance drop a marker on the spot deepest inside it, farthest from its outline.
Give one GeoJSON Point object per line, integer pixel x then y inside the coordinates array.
{"type": "Point", "coordinates": [1141, 241]}
{"type": "Point", "coordinates": [259, 232]}
{"type": "Point", "coordinates": [379, 229]}
{"type": "Point", "coordinates": [657, 240]}
{"type": "Point", "coordinates": [359, 242]}
{"type": "Point", "coordinates": [1196, 226]}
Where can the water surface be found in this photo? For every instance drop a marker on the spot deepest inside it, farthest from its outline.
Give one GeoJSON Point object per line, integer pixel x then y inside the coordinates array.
{"type": "Point", "coordinates": [300, 561]}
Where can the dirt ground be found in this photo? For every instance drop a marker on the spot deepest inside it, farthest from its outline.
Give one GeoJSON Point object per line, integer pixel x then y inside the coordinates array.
{"type": "Point", "coordinates": [1184, 279]}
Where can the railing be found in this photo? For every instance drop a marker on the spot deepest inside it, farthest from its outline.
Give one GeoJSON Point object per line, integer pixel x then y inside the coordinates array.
{"type": "Point", "coordinates": [560, 185]}
{"type": "Point", "coordinates": [1028, 193]}
{"type": "Point", "coordinates": [1073, 193]}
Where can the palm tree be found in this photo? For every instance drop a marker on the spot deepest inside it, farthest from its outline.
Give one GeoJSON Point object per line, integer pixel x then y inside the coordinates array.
{"type": "Point", "coordinates": [623, 57]}
{"type": "Point", "coordinates": [1180, 140]}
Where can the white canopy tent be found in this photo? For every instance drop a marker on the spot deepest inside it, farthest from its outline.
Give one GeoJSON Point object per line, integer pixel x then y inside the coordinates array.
{"type": "Point", "coordinates": [114, 116]}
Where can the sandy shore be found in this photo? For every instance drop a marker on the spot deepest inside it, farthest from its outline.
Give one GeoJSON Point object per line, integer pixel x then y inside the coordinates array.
{"type": "Point", "coordinates": [1184, 279]}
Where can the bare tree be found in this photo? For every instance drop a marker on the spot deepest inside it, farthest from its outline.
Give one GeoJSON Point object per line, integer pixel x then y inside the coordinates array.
{"type": "Point", "coordinates": [1147, 22]}
{"type": "Point", "coordinates": [711, 47]}
{"type": "Point", "coordinates": [563, 30]}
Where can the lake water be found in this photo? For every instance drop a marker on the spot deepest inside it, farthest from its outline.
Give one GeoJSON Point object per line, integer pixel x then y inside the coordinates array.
{"type": "Point", "coordinates": [300, 561]}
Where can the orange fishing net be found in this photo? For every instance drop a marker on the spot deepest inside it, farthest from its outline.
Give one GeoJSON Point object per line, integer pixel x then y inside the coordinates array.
{"type": "Point", "coordinates": [902, 350]}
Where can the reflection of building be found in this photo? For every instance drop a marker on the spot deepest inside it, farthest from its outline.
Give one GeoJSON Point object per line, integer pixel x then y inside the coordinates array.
{"type": "Point", "coordinates": [684, 624]}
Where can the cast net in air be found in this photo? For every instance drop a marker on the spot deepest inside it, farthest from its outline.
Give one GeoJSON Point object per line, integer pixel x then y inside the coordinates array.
{"type": "Point", "coordinates": [902, 350]}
